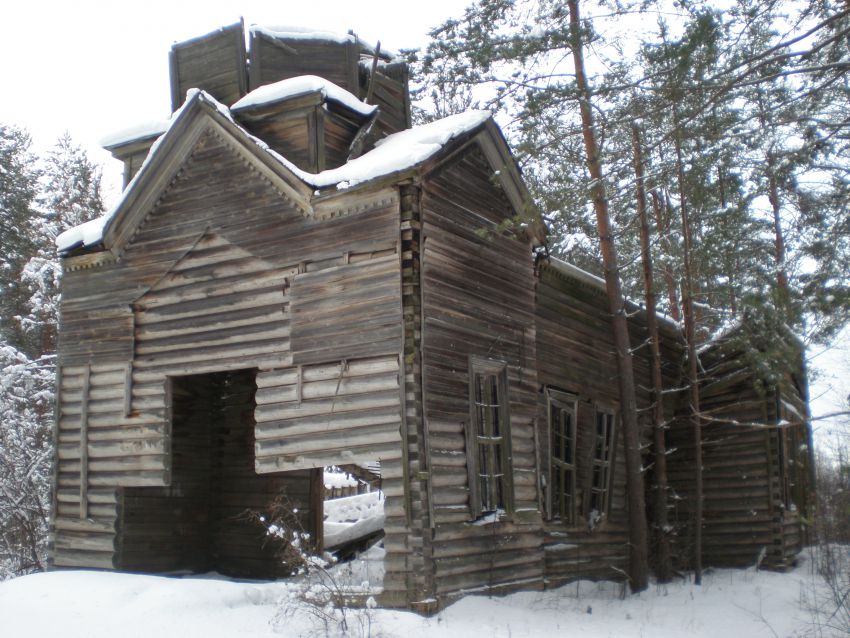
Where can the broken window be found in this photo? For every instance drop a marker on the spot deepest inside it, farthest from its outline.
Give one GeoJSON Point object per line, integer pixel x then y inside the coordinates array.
{"type": "Point", "coordinates": [603, 452]}
{"type": "Point", "coordinates": [562, 482]}
{"type": "Point", "coordinates": [488, 438]}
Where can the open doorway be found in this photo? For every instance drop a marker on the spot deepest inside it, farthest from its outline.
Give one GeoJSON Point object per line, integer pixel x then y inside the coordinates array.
{"type": "Point", "coordinates": [205, 520]}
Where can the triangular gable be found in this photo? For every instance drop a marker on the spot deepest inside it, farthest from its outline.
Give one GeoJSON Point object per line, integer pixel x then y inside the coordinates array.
{"type": "Point", "coordinates": [199, 115]}
{"type": "Point", "coordinates": [193, 259]}
{"type": "Point", "coordinates": [489, 139]}
{"type": "Point", "coordinates": [486, 136]}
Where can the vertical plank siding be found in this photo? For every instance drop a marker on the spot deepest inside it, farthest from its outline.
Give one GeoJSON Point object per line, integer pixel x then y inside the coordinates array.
{"type": "Point", "coordinates": [274, 59]}
{"type": "Point", "coordinates": [477, 300]}
{"type": "Point", "coordinates": [191, 63]}
{"type": "Point", "coordinates": [391, 96]}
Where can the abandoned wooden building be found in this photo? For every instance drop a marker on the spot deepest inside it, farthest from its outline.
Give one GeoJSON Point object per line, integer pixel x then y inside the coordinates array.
{"type": "Point", "coordinates": [295, 278]}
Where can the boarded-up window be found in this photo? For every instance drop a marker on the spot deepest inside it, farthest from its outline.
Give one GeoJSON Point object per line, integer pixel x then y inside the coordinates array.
{"type": "Point", "coordinates": [488, 438]}
{"type": "Point", "coordinates": [562, 428]}
{"type": "Point", "coordinates": [603, 453]}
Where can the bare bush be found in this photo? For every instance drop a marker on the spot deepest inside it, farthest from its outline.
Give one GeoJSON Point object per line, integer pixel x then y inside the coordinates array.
{"type": "Point", "coordinates": [322, 594]}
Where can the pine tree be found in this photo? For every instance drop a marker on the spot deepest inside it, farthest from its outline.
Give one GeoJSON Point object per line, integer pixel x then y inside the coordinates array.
{"type": "Point", "coordinates": [68, 194]}
{"type": "Point", "coordinates": [18, 189]}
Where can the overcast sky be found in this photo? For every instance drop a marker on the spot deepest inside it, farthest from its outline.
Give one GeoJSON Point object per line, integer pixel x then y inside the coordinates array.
{"type": "Point", "coordinates": [92, 68]}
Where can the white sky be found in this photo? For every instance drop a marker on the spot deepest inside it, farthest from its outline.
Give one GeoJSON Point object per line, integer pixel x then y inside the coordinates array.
{"type": "Point", "coordinates": [92, 68]}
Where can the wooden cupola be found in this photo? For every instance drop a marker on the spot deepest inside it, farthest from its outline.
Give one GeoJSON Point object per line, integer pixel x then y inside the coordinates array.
{"type": "Point", "coordinates": [311, 121]}
{"type": "Point", "coordinates": [314, 128]}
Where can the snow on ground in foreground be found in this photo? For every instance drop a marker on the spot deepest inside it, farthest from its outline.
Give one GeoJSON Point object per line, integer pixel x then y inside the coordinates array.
{"type": "Point", "coordinates": [730, 604]}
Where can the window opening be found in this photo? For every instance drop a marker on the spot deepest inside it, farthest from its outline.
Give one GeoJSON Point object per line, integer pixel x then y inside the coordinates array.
{"type": "Point", "coordinates": [562, 428]}
{"type": "Point", "coordinates": [603, 449]}
{"type": "Point", "coordinates": [488, 437]}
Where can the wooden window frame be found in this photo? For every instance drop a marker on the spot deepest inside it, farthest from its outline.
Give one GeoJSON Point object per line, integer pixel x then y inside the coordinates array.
{"type": "Point", "coordinates": [561, 493]}
{"type": "Point", "coordinates": [488, 452]}
{"type": "Point", "coordinates": [602, 460]}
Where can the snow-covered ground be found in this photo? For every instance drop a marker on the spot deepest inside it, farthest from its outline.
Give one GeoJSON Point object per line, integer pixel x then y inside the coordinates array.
{"type": "Point", "coordinates": [729, 604]}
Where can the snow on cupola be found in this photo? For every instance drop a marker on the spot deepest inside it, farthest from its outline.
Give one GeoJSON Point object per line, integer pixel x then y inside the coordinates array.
{"type": "Point", "coordinates": [351, 95]}
{"type": "Point", "coordinates": [309, 120]}
{"type": "Point", "coordinates": [222, 65]}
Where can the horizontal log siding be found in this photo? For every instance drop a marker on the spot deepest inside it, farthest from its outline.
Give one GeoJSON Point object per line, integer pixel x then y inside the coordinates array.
{"type": "Point", "coordinates": [203, 287]}
{"type": "Point", "coordinates": [328, 414]}
{"type": "Point", "coordinates": [84, 522]}
{"type": "Point", "coordinates": [347, 311]}
{"type": "Point", "coordinates": [477, 300]}
{"type": "Point", "coordinates": [742, 510]}
{"type": "Point", "coordinates": [575, 354]}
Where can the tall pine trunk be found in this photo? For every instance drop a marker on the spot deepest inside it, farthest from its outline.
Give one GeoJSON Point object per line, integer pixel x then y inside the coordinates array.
{"type": "Point", "coordinates": [662, 223]}
{"type": "Point", "coordinates": [661, 523]}
{"type": "Point", "coordinates": [690, 338]}
{"type": "Point", "coordinates": [638, 567]}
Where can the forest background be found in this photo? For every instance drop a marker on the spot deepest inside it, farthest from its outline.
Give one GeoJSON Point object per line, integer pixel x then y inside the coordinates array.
{"type": "Point", "coordinates": [742, 112]}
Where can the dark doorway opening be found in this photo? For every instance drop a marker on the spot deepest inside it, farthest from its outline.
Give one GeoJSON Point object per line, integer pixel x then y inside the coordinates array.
{"type": "Point", "coordinates": [206, 520]}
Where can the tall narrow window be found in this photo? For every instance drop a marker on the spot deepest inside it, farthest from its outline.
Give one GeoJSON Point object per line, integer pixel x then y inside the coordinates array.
{"type": "Point", "coordinates": [562, 429]}
{"type": "Point", "coordinates": [488, 438]}
{"type": "Point", "coordinates": [603, 452]}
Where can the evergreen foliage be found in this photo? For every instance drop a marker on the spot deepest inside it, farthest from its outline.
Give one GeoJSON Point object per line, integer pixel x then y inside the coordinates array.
{"type": "Point", "coordinates": [38, 200]}
{"type": "Point", "coordinates": [756, 94]}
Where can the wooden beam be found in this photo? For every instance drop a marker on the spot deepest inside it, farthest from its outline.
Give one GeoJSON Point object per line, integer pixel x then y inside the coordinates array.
{"type": "Point", "coordinates": [128, 388]}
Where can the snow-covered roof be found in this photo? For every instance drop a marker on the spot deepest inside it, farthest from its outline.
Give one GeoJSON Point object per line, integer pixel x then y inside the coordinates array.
{"type": "Point", "coordinates": [395, 153]}
{"type": "Point", "coordinates": [576, 273]}
{"type": "Point", "coordinates": [398, 152]}
{"type": "Point", "coordinates": [302, 85]}
{"type": "Point", "coordinates": [143, 131]}
{"type": "Point", "coordinates": [292, 32]}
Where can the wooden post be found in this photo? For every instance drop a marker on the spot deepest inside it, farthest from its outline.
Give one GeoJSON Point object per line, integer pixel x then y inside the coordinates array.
{"type": "Point", "coordinates": [300, 385]}
{"type": "Point", "coordinates": [371, 88]}
{"type": "Point", "coordinates": [128, 388]}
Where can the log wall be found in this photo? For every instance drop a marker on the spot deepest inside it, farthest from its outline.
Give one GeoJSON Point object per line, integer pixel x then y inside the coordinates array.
{"type": "Point", "coordinates": [206, 285]}
{"type": "Point", "coordinates": [576, 354]}
{"type": "Point", "coordinates": [274, 59]}
{"type": "Point", "coordinates": [753, 464]}
{"type": "Point", "coordinates": [477, 300]}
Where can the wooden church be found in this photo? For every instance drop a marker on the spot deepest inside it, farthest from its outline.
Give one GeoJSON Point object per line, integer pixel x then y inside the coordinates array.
{"type": "Point", "coordinates": [296, 278]}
